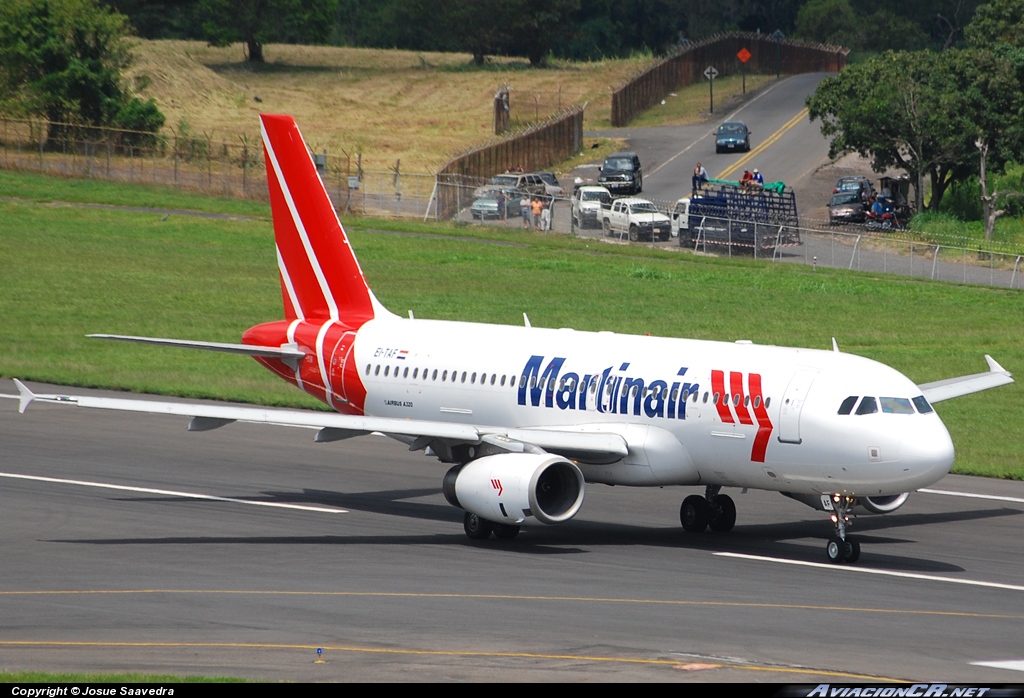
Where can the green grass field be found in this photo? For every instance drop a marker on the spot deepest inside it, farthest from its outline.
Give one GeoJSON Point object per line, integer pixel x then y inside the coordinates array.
{"type": "Point", "coordinates": [72, 270]}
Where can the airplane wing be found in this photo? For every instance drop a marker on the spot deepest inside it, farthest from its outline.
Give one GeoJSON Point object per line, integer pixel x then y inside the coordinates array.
{"type": "Point", "coordinates": [332, 426]}
{"type": "Point", "coordinates": [950, 388]}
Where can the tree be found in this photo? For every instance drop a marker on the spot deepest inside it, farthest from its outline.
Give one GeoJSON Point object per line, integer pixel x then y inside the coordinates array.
{"type": "Point", "coordinates": [921, 112]}
{"type": "Point", "coordinates": [257, 22]}
{"type": "Point", "coordinates": [999, 22]}
{"type": "Point", "coordinates": [63, 59]}
{"type": "Point", "coordinates": [829, 21]}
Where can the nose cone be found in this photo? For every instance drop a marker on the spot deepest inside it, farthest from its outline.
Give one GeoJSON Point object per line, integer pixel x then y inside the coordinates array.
{"type": "Point", "coordinates": [926, 451]}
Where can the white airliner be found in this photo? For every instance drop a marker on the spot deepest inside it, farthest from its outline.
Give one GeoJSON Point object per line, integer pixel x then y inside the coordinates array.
{"type": "Point", "coordinates": [529, 416]}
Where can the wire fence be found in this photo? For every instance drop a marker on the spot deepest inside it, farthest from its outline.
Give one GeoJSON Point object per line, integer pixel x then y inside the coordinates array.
{"type": "Point", "coordinates": [853, 248]}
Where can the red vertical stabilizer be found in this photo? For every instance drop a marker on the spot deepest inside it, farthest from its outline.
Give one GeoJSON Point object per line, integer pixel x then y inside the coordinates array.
{"type": "Point", "coordinates": [320, 277]}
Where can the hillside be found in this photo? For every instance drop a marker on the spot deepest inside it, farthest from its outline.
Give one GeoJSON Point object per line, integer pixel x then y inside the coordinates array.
{"type": "Point", "coordinates": [387, 104]}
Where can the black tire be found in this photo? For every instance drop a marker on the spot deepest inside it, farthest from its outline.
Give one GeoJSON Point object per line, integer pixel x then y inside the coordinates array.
{"type": "Point", "coordinates": [634, 234]}
{"type": "Point", "coordinates": [723, 520]}
{"type": "Point", "coordinates": [607, 225]}
{"type": "Point", "coordinates": [695, 514]}
{"type": "Point", "coordinates": [835, 550]}
{"type": "Point", "coordinates": [505, 531]}
{"type": "Point", "coordinates": [663, 237]}
{"type": "Point", "coordinates": [851, 551]}
{"type": "Point", "coordinates": [477, 528]}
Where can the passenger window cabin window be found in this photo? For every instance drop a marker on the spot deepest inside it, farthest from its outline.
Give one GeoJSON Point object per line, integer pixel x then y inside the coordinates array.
{"type": "Point", "coordinates": [434, 377]}
{"type": "Point", "coordinates": [922, 405]}
{"type": "Point", "coordinates": [386, 369]}
{"type": "Point", "coordinates": [405, 372]}
{"type": "Point", "coordinates": [714, 400]}
{"type": "Point", "coordinates": [368, 367]}
{"type": "Point", "coordinates": [444, 376]}
{"type": "Point", "coordinates": [757, 402]}
{"type": "Point", "coordinates": [868, 406]}
{"type": "Point", "coordinates": [376, 371]}
{"type": "Point", "coordinates": [848, 403]}
{"type": "Point", "coordinates": [503, 380]}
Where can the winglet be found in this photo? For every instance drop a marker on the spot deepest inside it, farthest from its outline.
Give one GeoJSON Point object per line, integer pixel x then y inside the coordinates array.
{"type": "Point", "coordinates": [994, 366]}
{"type": "Point", "coordinates": [835, 346]}
{"type": "Point", "coordinates": [27, 396]}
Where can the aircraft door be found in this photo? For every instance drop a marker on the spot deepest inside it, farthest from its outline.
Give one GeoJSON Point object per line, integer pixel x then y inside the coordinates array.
{"type": "Point", "coordinates": [793, 404]}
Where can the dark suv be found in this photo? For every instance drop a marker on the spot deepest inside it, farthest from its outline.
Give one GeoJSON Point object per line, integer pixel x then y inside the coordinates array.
{"type": "Point", "coordinates": [622, 174]}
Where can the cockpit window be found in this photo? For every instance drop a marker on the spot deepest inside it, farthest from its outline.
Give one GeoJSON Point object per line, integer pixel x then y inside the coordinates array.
{"type": "Point", "coordinates": [922, 405]}
{"type": "Point", "coordinates": [868, 406]}
{"type": "Point", "coordinates": [896, 405]}
{"type": "Point", "coordinates": [848, 404]}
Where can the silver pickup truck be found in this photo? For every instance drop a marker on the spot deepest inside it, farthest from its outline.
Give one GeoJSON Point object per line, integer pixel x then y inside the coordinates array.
{"type": "Point", "coordinates": [638, 218]}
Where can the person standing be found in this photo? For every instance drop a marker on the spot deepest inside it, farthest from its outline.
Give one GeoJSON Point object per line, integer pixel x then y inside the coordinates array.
{"type": "Point", "coordinates": [537, 207]}
{"type": "Point", "coordinates": [524, 209]}
{"type": "Point", "coordinates": [501, 201]}
{"type": "Point", "coordinates": [545, 215]}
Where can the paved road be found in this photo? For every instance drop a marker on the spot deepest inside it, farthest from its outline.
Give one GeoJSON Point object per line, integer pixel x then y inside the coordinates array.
{"type": "Point", "coordinates": [100, 579]}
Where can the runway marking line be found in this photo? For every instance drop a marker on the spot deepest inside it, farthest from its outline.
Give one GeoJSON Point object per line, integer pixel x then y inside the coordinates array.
{"type": "Point", "coordinates": [443, 653]}
{"type": "Point", "coordinates": [969, 495]}
{"type": "Point", "coordinates": [515, 597]}
{"type": "Point", "coordinates": [870, 570]}
{"type": "Point", "coordinates": [1011, 664]}
{"type": "Point", "coordinates": [172, 493]}
{"type": "Point", "coordinates": [768, 142]}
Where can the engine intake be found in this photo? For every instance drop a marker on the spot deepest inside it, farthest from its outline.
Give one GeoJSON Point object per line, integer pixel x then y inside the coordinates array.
{"type": "Point", "coordinates": [512, 487]}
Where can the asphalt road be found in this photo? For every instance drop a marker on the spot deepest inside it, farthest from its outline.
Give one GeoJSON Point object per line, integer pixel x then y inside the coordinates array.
{"type": "Point", "coordinates": [350, 547]}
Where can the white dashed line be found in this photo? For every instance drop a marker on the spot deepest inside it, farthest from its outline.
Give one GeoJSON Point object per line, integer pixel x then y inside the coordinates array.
{"type": "Point", "coordinates": [172, 493]}
{"type": "Point", "coordinates": [869, 570]}
{"type": "Point", "coordinates": [969, 495]}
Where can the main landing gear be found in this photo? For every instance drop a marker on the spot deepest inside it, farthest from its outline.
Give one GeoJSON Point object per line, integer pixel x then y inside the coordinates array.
{"type": "Point", "coordinates": [841, 548]}
{"type": "Point", "coordinates": [713, 510]}
{"type": "Point", "coordinates": [478, 528]}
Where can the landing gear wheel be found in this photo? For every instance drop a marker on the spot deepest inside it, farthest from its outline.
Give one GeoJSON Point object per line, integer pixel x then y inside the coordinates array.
{"type": "Point", "coordinates": [851, 551]}
{"type": "Point", "coordinates": [835, 550]}
{"type": "Point", "coordinates": [695, 514]}
{"type": "Point", "coordinates": [505, 531]}
{"type": "Point", "coordinates": [723, 520]}
{"type": "Point", "coordinates": [476, 527]}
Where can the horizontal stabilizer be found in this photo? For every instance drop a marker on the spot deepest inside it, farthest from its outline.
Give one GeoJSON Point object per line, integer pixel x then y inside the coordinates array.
{"type": "Point", "coordinates": [965, 385]}
{"type": "Point", "coordinates": [284, 352]}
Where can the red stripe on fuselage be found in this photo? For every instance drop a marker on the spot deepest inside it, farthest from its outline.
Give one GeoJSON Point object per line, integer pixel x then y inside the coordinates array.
{"type": "Point", "coordinates": [764, 422]}
{"type": "Point", "coordinates": [718, 391]}
{"type": "Point", "coordinates": [736, 389]}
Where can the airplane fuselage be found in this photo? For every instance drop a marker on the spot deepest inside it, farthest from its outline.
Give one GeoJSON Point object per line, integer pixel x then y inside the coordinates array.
{"type": "Point", "coordinates": [693, 412]}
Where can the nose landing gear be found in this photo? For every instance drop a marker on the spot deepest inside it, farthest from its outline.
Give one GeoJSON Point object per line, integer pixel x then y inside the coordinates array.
{"type": "Point", "coordinates": [842, 548]}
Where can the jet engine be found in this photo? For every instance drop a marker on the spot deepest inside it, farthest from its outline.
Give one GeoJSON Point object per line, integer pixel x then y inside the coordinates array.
{"type": "Point", "coordinates": [869, 505]}
{"type": "Point", "coordinates": [512, 487]}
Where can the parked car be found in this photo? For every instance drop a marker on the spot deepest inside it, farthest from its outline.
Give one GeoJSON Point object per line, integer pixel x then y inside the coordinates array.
{"type": "Point", "coordinates": [551, 185]}
{"type": "Point", "coordinates": [732, 136]}
{"type": "Point", "coordinates": [522, 181]}
{"type": "Point", "coordinates": [856, 183]}
{"type": "Point", "coordinates": [622, 173]}
{"type": "Point", "coordinates": [846, 207]}
{"type": "Point", "coordinates": [586, 206]}
{"type": "Point", "coordinates": [638, 218]}
{"type": "Point", "coordinates": [486, 206]}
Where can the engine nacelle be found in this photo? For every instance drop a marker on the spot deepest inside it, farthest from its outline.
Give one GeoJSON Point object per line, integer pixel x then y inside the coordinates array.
{"type": "Point", "coordinates": [512, 487]}
{"type": "Point", "coordinates": [869, 505]}
{"type": "Point", "coordinates": [883, 505]}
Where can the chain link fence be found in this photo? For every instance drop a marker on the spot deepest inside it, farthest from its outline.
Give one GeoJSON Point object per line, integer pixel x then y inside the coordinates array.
{"type": "Point", "coordinates": [852, 247]}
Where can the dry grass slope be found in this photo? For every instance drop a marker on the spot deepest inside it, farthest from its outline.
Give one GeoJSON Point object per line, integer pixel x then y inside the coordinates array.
{"type": "Point", "coordinates": [386, 104]}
